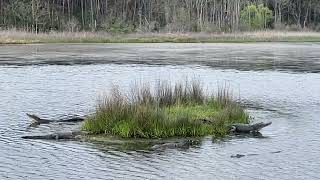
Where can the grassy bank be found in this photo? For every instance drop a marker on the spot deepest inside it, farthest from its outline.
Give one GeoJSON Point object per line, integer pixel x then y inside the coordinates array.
{"type": "Point", "coordinates": [182, 110]}
{"type": "Point", "coordinates": [22, 37]}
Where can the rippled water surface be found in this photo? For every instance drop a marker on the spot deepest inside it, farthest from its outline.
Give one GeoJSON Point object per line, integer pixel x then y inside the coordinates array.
{"type": "Point", "coordinates": [277, 82]}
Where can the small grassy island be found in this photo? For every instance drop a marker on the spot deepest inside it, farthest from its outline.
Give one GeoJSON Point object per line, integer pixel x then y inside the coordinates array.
{"type": "Point", "coordinates": [179, 110]}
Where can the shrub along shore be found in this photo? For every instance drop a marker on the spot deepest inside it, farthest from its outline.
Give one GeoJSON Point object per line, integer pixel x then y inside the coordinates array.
{"type": "Point", "coordinates": [23, 37]}
{"type": "Point", "coordinates": [179, 110]}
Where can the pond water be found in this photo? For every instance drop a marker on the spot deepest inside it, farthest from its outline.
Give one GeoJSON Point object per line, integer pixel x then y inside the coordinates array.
{"type": "Point", "coordinates": [277, 82]}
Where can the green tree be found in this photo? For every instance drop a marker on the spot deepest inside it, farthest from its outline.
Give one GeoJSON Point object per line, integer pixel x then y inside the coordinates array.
{"type": "Point", "coordinates": [18, 14]}
{"type": "Point", "coordinates": [158, 15]}
{"type": "Point", "coordinates": [254, 17]}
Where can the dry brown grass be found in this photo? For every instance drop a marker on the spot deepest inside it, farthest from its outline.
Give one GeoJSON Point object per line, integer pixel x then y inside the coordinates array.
{"type": "Point", "coordinates": [22, 37]}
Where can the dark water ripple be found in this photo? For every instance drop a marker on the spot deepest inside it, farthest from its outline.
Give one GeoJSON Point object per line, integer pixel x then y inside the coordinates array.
{"type": "Point", "coordinates": [277, 82]}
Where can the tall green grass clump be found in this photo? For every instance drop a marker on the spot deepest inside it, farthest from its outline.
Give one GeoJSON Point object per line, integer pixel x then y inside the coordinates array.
{"type": "Point", "coordinates": [182, 109]}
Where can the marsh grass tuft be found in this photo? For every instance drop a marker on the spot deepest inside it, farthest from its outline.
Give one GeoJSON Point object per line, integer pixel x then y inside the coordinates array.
{"type": "Point", "coordinates": [182, 109]}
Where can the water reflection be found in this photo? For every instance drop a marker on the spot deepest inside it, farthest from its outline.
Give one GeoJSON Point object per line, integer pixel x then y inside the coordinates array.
{"type": "Point", "coordinates": [244, 57]}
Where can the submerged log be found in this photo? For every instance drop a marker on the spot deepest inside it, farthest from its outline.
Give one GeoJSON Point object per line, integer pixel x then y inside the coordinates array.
{"type": "Point", "coordinates": [37, 120]}
{"type": "Point", "coordinates": [248, 128]}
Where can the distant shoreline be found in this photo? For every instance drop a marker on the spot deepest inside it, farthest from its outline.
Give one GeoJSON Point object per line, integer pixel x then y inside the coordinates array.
{"type": "Point", "coordinates": [23, 37]}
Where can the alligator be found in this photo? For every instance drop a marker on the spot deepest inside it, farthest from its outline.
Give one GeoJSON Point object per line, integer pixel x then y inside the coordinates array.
{"type": "Point", "coordinates": [186, 143]}
{"type": "Point", "coordinates": [240, 127]}
{"type": "Point", "coordinates": [243, 155]}
{"type": "Point", "coordinates": [58, 136]}
{"type": "Point", "coordinates": [37, 120]}
{"type": "Point", "coordinates": [248, 128]}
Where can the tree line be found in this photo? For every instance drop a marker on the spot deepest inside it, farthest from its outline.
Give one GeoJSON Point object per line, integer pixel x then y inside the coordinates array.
{"type": "Point", "coordinates": [159, 15]}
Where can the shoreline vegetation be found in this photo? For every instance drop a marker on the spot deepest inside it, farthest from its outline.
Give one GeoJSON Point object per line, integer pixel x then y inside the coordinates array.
{"type": "Point", "coordinates": [24, 37]}
{"type": "Point", "coordinates": [167, 110]}
{"type": "Point", "coordinates": [158, 21]}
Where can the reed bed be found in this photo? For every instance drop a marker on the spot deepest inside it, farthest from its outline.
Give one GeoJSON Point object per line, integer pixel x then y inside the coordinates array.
{"type": "Point", "coordinates": [179, 110]}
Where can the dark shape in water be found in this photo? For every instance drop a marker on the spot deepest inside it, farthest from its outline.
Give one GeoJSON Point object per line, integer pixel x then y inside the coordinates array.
{"type": "Point", "coordinates": [37, 120]}
{"type": "Point", "coordinates": [248, 135]}
{"type": "Point", "coordinates": [183, 144]}
{"type": "Point", "coordinates": [242, 155]}
{"type": "Point", "coordinates": [237, 156]}
{"type": "Point", "coordinates": [276, 152]}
